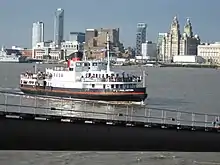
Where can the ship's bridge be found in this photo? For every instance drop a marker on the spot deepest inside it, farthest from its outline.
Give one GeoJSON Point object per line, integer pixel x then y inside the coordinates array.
{"type": "Point", "coordinates": [80, 66]}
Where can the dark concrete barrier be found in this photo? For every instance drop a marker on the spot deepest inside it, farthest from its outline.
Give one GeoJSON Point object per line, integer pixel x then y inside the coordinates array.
{"type": "Point", "coordinates": [29, 134]}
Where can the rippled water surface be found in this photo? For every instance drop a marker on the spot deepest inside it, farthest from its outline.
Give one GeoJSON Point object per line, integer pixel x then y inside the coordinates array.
{"type": "Point", "coordinates": [107, 158]}
{"type": "Point", "coordinates": [185, 89]}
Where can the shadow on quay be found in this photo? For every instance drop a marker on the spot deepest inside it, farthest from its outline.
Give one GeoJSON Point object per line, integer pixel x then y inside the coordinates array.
{"type": "Point", "coordinates": [32, 134]}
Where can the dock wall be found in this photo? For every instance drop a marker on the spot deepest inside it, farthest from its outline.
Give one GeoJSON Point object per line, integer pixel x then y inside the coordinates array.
{"type": "Point", "coordinates": [31, 134]}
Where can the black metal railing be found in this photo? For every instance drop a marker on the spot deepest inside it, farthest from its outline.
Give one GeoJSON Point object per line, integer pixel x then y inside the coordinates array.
{"type": "Point", "coordinates": [12, 102]}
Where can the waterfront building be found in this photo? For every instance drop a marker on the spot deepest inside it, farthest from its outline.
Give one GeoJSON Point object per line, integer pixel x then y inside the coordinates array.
{"type": "Point", "coordinates": [149, 50]}
{"type": "Point", "coordinates": [175, 44]}
{"type": "Point", "coordinates": [210, 52]}
{"type": "Point", "coordinates": [89, 37]}
{"type": "Point", "coordinates": [26, 52]}
{"type": "Point", "coordinates": [77, 36]}
{"type": "Point", "coordinates": [160, 39]}
{"type": "Point", "coordinates": [37, 33]}
{"type": "Point", "coordinates": [71, 47]}
{"type": "Point", "coordinates": [188, 42]}
{"type": "Point", "coordinates": [140, 37]}
{"type": "Point", "coordinates": [97, 37]}
{"type": "Point", "coordinates": [170, 44]}
{"type": "Point", "coordinates": [95, 42]}
{"type": "Point", "coordinates": [188, 45]}
{"type": "Point", "coordinates": [45, 50]}
{"type": "Point", "coordinates": [48, 53]}
{"type": "Point", "coordinates": [58, 27]}
{"type": "Point", "coordinates": [45, 44]}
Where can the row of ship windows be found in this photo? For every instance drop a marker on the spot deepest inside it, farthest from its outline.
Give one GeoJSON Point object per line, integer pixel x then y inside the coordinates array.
{"type": "Point", "coordinates": [209, 48]}
{"type": "Point", "coordinates": [121, 86]}
{"type": "Point", "coordinates": [93, 85]}
{"type": "Point", "coordinates": [29, 82]}
{"type": "Point", "coordinates": [58, 75]}
{"type": "Point", "coordinates": [52, 57]}
{"type": "Point", "coordinates": [210, 52]}
{"type": "Point", "coordinates": [69, 46]}
{"type": "Point", "coordinates": [90, 75]}
{"type": "Point", "coordinates": [88, 64]}
{"type": "Point", "coordinates": [113, 86]}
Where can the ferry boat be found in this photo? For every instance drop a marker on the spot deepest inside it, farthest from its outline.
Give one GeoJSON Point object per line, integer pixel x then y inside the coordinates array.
{"type": "Point", "coordinates": [9, 56]}
{"type": "Point", "coordinates": [89, 80]}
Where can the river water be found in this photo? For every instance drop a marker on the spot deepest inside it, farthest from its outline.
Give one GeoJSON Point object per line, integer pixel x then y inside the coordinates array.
{"type": "Point", "coordinates": [185, 89]}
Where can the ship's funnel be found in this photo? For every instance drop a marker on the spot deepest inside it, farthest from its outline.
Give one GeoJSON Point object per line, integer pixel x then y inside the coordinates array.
{"type": "Point", "coordinates": [76, 59]}
{"type": "Point", "coordinates": [68, 63]}
{"type": "Point", "coordinates": [76, 56]}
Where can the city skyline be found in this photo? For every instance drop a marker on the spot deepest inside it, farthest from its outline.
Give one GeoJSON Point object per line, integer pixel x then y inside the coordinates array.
{"type": "Point", "coordinates": [205, 24]}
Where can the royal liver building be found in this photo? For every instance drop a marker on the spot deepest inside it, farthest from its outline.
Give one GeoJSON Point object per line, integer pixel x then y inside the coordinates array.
{"type": "Point", "coordinates": [173, 43]}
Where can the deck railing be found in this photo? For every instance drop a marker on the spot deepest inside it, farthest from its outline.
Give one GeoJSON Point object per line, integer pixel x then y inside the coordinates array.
{"type": "Point", "coordinates": [14, 102]}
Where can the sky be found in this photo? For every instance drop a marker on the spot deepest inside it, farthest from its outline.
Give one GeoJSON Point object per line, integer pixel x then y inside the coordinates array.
{"type": "Point", "coordinates": [17, 17]}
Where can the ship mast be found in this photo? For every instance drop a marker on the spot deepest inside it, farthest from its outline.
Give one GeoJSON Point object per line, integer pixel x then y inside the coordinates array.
{"type": "Point", "coordinates": [35, 68]}
{"type": "Point", "coordinates": [84, 54]}
{"type": "Point", "coordinates": [144, 79]}
{"type": "Point", "coordinates": [108, 52]}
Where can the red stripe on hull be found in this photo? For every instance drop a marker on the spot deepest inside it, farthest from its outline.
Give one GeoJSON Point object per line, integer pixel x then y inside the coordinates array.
{"type": "Point", "coordinates": [84, 93]}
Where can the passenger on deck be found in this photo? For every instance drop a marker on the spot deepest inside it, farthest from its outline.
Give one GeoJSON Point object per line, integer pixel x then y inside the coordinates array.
{"type": "Point", "coordinates": [216, 123]}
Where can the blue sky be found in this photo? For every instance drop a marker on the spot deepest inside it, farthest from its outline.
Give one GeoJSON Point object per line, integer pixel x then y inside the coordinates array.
{"type": "Point", "coordinates": [17, 16]}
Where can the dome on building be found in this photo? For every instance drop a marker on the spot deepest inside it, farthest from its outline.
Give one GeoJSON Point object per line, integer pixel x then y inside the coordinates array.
{"type": "Point", "coordinates": [184, 35]}
{"type": "Point", "coordinates": [196, 36]}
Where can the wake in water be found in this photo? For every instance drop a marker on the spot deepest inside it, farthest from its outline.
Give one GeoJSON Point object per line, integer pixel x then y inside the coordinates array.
{"type": "Point", "coordinates": [3, 89]}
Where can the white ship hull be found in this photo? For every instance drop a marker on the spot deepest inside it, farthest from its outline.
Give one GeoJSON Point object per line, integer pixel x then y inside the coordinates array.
{"type": "Point", "coordinates": [4, 59]}
{"type": "Point", "coordinates": [9, 56]}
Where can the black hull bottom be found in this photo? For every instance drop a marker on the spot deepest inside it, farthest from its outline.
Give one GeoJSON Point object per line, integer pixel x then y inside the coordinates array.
{"type": "Point", "coordinates": [111, 97]}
